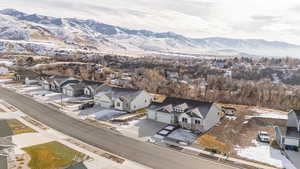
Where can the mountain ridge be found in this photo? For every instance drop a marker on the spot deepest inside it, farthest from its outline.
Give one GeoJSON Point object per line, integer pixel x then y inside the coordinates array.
{"type": "Point", "coordinates": [91, 34]}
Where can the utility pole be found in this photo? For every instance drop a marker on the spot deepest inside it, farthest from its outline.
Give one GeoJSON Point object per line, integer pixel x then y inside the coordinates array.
{"type": "Point", "coordinates": [61, 102]}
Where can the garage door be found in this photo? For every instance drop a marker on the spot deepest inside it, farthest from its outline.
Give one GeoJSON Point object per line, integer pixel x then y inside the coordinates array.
{"type": "Point", "coordinates": [151, 114]}
{"type": "Point", "coordinates": [291, 142]}
{"type": "Point", "coordinates": [69, 93]}
{"type": "Point", "coordinates": [164, 118]}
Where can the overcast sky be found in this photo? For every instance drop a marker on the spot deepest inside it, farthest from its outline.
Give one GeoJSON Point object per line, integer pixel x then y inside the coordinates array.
{"type": "Point", "coordinates": [259, 19]}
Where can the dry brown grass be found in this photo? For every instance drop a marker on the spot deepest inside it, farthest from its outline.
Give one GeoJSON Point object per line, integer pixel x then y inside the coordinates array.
{"type": "Point", "coordinates": [211, 142]}
{"type": "Point", "coordinates": [13, 82]}
{"type": "Point", "coordinates": [98, 124]}
{"type": "Point", "coordinates": [18, 128]}
{"type": "Point", "coordinates": [52, 155]}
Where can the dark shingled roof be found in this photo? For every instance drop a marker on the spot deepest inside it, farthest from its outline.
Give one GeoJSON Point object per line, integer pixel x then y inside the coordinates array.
{"type": "Point", "coordinates": [4, 129]}
{"type": "Point", "coordinates": [27, 73]}
{"type": "Point", "coordinates": [297, 112]}
{"type": "Point", "coordinates": [203, 107]}
{"type": "Point", "coordinates": [292, 132]}
{"type": "Point", "coordinates": [92, 84]}
{"type": "Point", "coordinates": [116, 92]}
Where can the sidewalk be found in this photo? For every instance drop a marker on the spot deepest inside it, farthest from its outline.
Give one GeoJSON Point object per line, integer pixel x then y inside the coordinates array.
{"type": "Point", "coordinates": [197, 151]}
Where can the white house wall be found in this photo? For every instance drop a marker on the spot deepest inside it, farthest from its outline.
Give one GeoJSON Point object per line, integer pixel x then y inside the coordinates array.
{"type": "Point", "coordinates": [120, 106]}
{"type": "Point", "coordinates": [103, 101]}
{"type": "Point", "coordinates": [68, 91]}
{"type": "Point", "coordinates": [164, 117]}
{"type": "Point", "coordinates": [143, 100]}
{"type": "Point", "coordinates": [187, 125]}
{"type": "Point", "coordinates": [151, 114]}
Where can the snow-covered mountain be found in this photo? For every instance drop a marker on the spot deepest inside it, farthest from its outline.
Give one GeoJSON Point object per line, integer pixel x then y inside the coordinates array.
{"type": "Point", "coordinates": [32, 33]}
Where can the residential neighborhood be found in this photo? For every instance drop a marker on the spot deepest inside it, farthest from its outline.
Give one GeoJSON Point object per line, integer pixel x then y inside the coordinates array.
{"type": "Point", "coordinates": [188, 125]}
{"type": "Point", "coordinates": [161, 84]}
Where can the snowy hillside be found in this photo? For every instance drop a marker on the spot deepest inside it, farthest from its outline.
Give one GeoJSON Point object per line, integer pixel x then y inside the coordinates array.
{"type": "Point", "coordinates": [32, 33]}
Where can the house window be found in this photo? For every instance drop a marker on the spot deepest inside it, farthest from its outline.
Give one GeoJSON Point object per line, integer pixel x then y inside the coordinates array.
{"type": "Point", "coordinates": [197, 121]}
{"type": "Point", "coordinates": [184, 120]}
{"type": "Point", "coordinates": [118, 104]}
{"type": "Point", "coordinates": [145, 100]}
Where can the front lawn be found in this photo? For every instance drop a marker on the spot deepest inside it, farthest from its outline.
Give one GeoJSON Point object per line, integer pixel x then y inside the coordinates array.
{"type": "Point", "coordinates": [18, 128]}
{"type": "Point", "coordinates": [52, 155]}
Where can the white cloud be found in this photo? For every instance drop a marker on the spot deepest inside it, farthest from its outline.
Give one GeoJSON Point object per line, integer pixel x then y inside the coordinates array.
{"type": "Point", "coordinates": [267, 19]}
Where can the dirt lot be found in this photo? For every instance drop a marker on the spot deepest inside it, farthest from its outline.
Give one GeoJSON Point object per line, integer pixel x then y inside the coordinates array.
{"type": "Point", "coordinates": [241, 130]}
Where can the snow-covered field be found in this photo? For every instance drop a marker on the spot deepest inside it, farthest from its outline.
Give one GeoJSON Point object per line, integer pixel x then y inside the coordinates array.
{"type": "Point", "coordinates": [262, 152]}
{"type": "Point", "coordinates": [266, 113]}
{"type": "Point", "coordinates": [3, 70]}
{"type": "Point", "coordinates": [6, 62]}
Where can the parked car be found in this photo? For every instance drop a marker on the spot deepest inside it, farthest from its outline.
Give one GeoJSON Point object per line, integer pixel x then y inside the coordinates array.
{"type": "Point", "coordinates": [86, 105]}
{"type": "Point", "coordinates": [263, 136]}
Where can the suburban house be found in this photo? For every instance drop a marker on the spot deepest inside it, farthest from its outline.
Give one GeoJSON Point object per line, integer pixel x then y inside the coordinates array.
{"type": "Point", "coordinates": [7, 154]}
{"type": "Point", "coordinates": [90, 88]}
{"type": "Point", "coordinates": [86, 88]}
{"type": "Point", "coordinates": [27, 76]}
{"type": "Point", "coordinates": [73, 89]}
{"type": "Point", "coordinates": [289, 137]}
{"type": "Point", "coordinates": [56, 83]}
{"type": "Point", "coordinates": [124, 99]}
{"type": "Point", "coordinates": [189, 114]}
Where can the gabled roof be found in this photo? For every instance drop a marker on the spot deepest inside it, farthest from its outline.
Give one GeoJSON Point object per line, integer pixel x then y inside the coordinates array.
{"type": "Point", "coordinates": [91, 84]}
{"type": "Point", "coordinates": [292, 132]}
{"type": "Point", "coordinates": [4, 129]}
{"type": "Point", "coordinates": [75, 86]}
{"type": "Point", "coordinates": [27, 73]}
{"type": "Point", "coordinates": [52, 78]}
{"type": "Point", "coordinates": [116, 92]}
{"type": "Point", "coordinates": [203, 107]}
{"type": "Point", "coordinates": [297, 112]}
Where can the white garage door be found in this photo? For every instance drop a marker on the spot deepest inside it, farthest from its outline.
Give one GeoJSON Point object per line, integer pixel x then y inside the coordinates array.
{"type": "Point", "coordinates": [291, 142]}
{"type": "Point", "coordinates": [69, 93]}
{"type": "Point", "coordinates": [164, 118]}
{"type": "Point", "coordinates": [151, 114]}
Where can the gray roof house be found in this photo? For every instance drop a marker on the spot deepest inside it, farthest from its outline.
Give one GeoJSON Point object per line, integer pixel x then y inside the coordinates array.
{"type": "Point", "coordinates": [27, 76]}
{"type": "Point", "coordinates": [86, 88]}
{"type": "Point", "coordinates": [56, 83]}
{"type": "Point", "coordinates": [6, 146]}
{"type": "Point", "coordinates": [124, 99]}
{"type": "Point", "coordinates": [90, 88]}
{"type": "Point", "coordinates": [189, 114]}
{"type": "Point", "coordinates": [289, 136]}
{"type": "Point", "coordinates": [73, 89]}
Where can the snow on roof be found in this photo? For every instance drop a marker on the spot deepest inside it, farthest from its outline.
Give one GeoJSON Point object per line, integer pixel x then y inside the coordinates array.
{"type": "Point", "coordinates": [116, 92]}
{"type": "Point", "coordinates": [187, 104]}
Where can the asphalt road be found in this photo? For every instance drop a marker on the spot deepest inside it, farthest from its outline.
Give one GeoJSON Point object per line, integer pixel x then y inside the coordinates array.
{"type": "Point", "coordinates": [144, 153]}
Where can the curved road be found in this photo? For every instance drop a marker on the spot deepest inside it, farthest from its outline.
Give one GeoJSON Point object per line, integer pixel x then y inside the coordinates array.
{"type": "Point", "coordinates": [144, 153]}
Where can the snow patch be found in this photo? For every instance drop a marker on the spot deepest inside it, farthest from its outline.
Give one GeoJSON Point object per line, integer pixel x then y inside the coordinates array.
{"type": "Point", "coordinates": [264, 153]}
{"type": "Point", "coordinates": [264, 113]}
